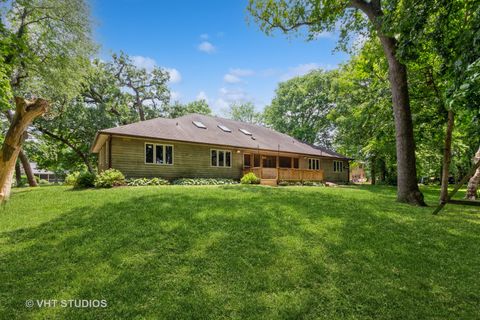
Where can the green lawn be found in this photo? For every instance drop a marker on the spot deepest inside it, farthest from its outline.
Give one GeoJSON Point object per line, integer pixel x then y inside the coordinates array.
{"type": "Point", "coordinates": [238, 252]}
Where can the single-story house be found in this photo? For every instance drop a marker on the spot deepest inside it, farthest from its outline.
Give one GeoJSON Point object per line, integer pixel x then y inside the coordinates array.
{"type": "Point", "coordinates": [201, 146]}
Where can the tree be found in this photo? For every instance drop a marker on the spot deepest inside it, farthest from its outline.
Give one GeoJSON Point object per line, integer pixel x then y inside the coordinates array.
{"type": "Point", "coordinates": [364, 124]}
{"type": "Point", "coordinates": [301, 105]}
{"type": "Point", "coordinates": [442, 37]}
{"type": "Point", "coordinates": [320, 16]}
{"type": "Point", "coordinates": [244, 112]}
{"type": "Point", "coordinates": [44, 43]}
{"type": "Point", "coordinates": [147, 89]}
{"type": "Point", "coordinates": [474, 180]}
{"type": "Point", "coordinates": [177, 109]}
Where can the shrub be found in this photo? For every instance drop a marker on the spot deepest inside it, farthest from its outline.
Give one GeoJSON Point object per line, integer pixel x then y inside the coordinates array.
{"type": "Point", "coordinates": [43, 182]}
{"type": "Point", "coordinates": [250, 178]}
{"type": "Point", "coordinates": [109, 178]}
{"type": "Point", "coordinates": [284, 183]}
{"type": "Point", "coordinates": [85, 180]}
{"type": "Point", "coordinates": [203, 181]}
{"type": "Point", "coordinates": [147, 182]}
{"type": "Point", "coordinates": [71, 178]}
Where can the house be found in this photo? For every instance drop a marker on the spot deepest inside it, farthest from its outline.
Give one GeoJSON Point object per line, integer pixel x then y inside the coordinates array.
{"type": "Point", "coordinates": [203, 146]}
{"type": "Point", "coordinates": [41, 174]}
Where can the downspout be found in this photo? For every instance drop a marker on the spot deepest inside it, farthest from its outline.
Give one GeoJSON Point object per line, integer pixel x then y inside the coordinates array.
{"type": "Point", "coordinates": [109, 151]}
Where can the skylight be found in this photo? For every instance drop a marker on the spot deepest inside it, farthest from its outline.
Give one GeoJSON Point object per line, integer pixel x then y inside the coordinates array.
{"type": "Point", "coordinates": [198, 124]}
{"type": "Point", "coordinates": [248, 133]}
{"type": "Point", "coordinates": [221, 126]}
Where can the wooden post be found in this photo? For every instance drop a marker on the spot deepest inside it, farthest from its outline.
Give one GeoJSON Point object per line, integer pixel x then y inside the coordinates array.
{"type": "Point", "coordinates": [457, 187]}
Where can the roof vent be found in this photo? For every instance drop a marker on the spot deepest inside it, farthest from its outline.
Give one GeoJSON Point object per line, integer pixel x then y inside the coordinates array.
{"type": "Point", "coordinates": [248, 133]}
{"type": "Point", "coordinates": [198, 124]}
{"type": "Point", "coordinates": [253, 138]}
{"type": "Point", "coordinates": [221, 126]}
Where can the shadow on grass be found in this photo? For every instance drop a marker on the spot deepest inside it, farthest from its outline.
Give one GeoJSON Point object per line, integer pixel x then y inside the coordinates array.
{"type": "Point", "coordinates": [245, 252]}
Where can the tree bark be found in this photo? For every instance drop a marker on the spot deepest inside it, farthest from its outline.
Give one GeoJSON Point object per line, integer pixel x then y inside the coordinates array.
{"type": "Point", "coordinates": [32, 182]}
{"type": "Point", "coordinates": [383, 170]}
{"type": "Point", "coordinates": [407, 187]}
{"type": "Point", "coordinates": [26, 112]}
{"type": "Point", "coordinates": [373, 172]}
{"type": "Point", "coordinates": [18, 174]}
{"type": "Point", "coordinates": [474, 181]}
{"type": "Point", "coordinates": [447, 157]}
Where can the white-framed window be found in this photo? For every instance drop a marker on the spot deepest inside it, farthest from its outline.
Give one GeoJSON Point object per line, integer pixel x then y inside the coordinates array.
{"type": "Point", "coordinates": [220, 158]}
{"type": "Point", "coordinates": [313, 164]}
{"type": "Point", "coordinates": [337, 166]}
{"type": "Point", "coordinates": [158, 153]}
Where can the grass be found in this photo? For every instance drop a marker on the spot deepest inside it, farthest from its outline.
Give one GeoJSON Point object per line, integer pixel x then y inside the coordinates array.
{"type": "Point", "coordinates": [240, 252]}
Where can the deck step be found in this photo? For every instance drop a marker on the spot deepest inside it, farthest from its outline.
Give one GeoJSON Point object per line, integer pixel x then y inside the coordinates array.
{"type": "Point", "coordinates": [268, 182]}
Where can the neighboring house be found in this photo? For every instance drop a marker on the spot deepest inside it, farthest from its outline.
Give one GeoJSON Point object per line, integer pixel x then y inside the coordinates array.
{"type": "Point", "coordinates": [210, 147]}
{"type": "Point", "coordinates": [41, 173]}
{"type": "Point", "coordinates": [357, 173]}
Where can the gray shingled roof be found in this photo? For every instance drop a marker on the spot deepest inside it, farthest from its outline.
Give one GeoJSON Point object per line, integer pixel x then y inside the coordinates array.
{"type": "Point", "coordinates": [183, 129]}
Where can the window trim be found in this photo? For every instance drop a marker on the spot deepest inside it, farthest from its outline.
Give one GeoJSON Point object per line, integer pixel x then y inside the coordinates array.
{"type": "Point", "coordinates": [164, 145]}
{"type": "Point", "coordinates": [315, 160]}
{"type": "Point", "coordinates": [335, 166]}
{"type": "Point", "coordinates": [224, 158]}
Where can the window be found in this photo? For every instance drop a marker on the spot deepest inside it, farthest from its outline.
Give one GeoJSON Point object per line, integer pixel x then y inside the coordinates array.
{"type": "Point", "coordinates": [148, 153]}
{"type": "Point", "coordinates": [246, 132]}
{"type": "Point", "coordinates": [313, 164]}
{"type": "Point", "coordinates": [256, 160]}
{"type": "Point", "coordinates": [285, 162]}
{"type": "Point", "coordinates": [158, 153]}
{"type": "Point", "coordinates": [247, 160]}
{"type": "Point", "coordinates": [337, 166]}
{"type": "Point", "coordinates": [214, 158]}
{"type": "Point", "coordinates": [221, 126]}
{"type": "Point", "coordinates": [295, 163]}
{"type": "Point", "coordinates": [199, 124]}
{"type": "Point", "coordinates": [220, 158]}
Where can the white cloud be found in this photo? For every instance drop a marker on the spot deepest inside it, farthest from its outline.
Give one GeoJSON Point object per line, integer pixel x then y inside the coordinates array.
{"type": "Point", "coordinates": [235, 75]}
{"type": "Point", "coordinates": [175, 76]}
{"type": "Point", "coordinates": [220, 105]}
{"type": "Point", "coordinates": [143, 62]}
{"type": "Point", "coordinates": [206, 47]}
{"type": "Point", "coordinates": [325, 35]}
{"type": "Point", "coordinates": [230, 78]}
{"type": "Point", "coordinates": [175, 95]}
{"type": "Point", "coordinates": [299, 70]}
{"type": "Point", "coordinates": [204, 36]}
{"type": "Point", "coordinates": [202, 96]}
{"type": "Point", "coordinates": [231, 95]}
{"type": "Point", "coordinates": [242, 72]}
{"type": "Point", "coordinates": [148, 64]}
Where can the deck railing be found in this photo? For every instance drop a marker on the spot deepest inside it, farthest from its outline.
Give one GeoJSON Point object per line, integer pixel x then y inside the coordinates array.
{"type": "Point", "coordinates": [286, 173]}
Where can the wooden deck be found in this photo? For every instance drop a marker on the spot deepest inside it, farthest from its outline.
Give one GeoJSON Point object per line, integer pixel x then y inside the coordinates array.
{"type": "Point", "coordinates": [289, 174]}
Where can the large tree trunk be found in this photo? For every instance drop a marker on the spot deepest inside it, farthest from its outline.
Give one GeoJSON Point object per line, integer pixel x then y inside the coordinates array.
{"type": "Point", "coordinates": [26, 112]}
{"type": "Point", "coordinates": [474, 181]}
{"type": "Point", "coordinates": [405, 144]}
{"type": "Point", "coordinates": [18, 174]}
{"type": "Point", "coordinates": [447, 157]}
{"type": "Point", "coordinates": [32, 182]}
{"type": "Point", "coordinates": [407, 190]}
{"type": "Point", "coordinates": [373, 172]}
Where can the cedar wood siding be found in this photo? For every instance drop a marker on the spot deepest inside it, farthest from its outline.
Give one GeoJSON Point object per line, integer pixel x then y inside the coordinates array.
{"type": "Point", "coordinates": [327, 166]}
{"type": "Point", "coordinates": [189, 160]}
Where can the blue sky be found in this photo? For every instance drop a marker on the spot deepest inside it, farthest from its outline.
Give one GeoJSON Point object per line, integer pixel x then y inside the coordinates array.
{"type": "Point", "coordinates": [209, 47]}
